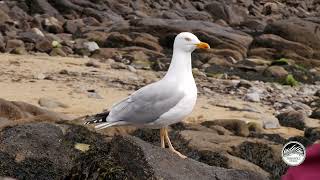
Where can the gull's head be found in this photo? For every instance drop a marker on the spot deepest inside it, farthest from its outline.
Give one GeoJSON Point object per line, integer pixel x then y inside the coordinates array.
{"type": "Point", "coordinates": [188, 42]}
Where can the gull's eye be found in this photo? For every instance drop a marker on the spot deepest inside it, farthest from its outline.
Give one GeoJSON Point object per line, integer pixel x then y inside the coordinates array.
{"type": "Point", "coordinates": [187, 39]}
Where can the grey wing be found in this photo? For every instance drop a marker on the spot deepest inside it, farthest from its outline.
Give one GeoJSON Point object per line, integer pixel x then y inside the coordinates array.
{"type": "Point", "coordinates": [147, 104]}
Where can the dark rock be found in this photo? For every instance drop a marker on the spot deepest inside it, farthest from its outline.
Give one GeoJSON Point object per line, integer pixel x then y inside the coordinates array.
{"type": "Point", "coordinates": [218, 36]}
{"type": "Point", "coordinates": [44, 45]}
{"type": "Point", "coordinates": [316, 114]}
{"type": "Point", "coordinates": [245, 83]}
{"type": "Point", "coordinates": [105, 53]}
{"type": "Point", "coordinates": [72, 26]}
{"type": "Point", "coordinates": [312, 134]}
{"type": "Point", "coordinates": [30, 37]}
{"type": "Point", "coordinates": [45, 150]}
{"type": "Point", "coordinates": [117, 40]}
{"type": "Point", "coordinates": [151, 167]}
{"type": "Point", "coordinates": [263, 156]}
{"type": "Point", "coordinates": [292, 119]}
{"type": "Point", "coordinates": [147, 42]}
{"type": "Point", "coordinates": [271, 137]}
{"type": "Point", "coordinates": [42, 150]}
{"type": "Point", "coordinates": [96, 36]}
{"type": "Point", "coordinates": [40, 6]}
{"type": "Point", "coordinates": [93, 64]}
{"type": "Point", "coordinates": [80, 47]}
{"type": "Point", "coordinates": [53, 25]}
{"type": "Point", "coordinates": [303, 140]}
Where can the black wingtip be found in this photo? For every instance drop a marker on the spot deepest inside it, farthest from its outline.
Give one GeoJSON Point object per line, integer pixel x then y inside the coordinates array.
{"type": "Point", "coordinates": [97, 118]}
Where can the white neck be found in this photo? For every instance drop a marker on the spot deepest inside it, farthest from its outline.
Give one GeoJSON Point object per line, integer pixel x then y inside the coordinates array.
{"type": "Point", "coordinates": [180, 66]}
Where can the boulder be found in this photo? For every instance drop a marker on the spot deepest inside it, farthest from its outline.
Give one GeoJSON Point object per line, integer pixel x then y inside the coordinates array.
{"type": "Point", "coordinates": [217, 36]}
{"type": "Point", "coordinates": [282, 45]}
{"type": "Point", "coordinates": [292, 118]}
{"type": "Point", "coordinates": [152, 162]}
{"type": "Point", "coordinates": [296, 30]}
{"type": "Point", "coordinates": [117, 40]}
{"type": "Point", "coordinates": [14, 44]}
{"type": "Point", "coordinates": [231, 13]}
{"type": "Point", "coordinates": [276, 72]}
{"type": "Point", "coordinates": [148, 41]}
{"type": "Point", "coordinates": [29, 37]}
{"type": "Point", "coordinates": [64, 151]}
{"type": "Point", "coordinates": [105, 53]}
{"type": "Point", "coordinates": [44, 45]}
{"type": "Point", "coordinates": [263, 155]}
{"type": "Point", "coordinates": [91, 46]}
{"type": "Point", "coordinates": [52, 25]}
{"type": "Point", "coordinates": [312, 134]}
{"type": "Point", "coordinates": [72, 26]}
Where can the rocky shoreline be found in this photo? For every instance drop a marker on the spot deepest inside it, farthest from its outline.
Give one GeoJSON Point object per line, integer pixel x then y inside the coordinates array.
{"type": "Point", "coordinates": [255, 40]}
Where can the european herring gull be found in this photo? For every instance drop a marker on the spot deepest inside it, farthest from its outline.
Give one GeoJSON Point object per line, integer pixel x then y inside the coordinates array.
{"type": "Point", "coordinates": [160, 104]}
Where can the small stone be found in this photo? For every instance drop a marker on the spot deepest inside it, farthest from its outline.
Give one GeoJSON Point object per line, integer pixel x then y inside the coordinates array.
{"type": "Point", "coordinates": [51, 103]}
{"type": "Point", "coordinates": [40, 76]}
{"type": "Point", "coordinates": [37, 31]}
{"type": "Point", "coordinates": [82, 147]}
{"type": "Point", "coordinates": [269, 121]}
{"type": "Point", "coordinates": [91, 46]}
{"type": "Point", "coordinates": [93, 64]}
{"type": "Point", "coordinates": [253, 97]}
{"type": "Point", "coordinates": [94, 94]}
{"type": "Point", "coordinates": [118, 66]}
{"type": "Point", "coordinates": [131, 68]}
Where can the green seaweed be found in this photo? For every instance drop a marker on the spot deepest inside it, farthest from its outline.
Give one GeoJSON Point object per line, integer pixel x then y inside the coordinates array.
{"type": "Point", "coordinates": [281, 61]}
{"type": "Point", "coordinates": [290, 80]}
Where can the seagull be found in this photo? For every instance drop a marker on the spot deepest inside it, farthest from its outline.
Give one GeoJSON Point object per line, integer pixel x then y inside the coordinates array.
{"type": "Point", "coordinates": [162, 103]}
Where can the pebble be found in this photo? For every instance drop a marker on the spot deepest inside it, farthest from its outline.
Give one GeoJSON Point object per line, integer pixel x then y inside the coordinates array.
{"type": "Point", "coordinates": [51, 103]}
{"type": "Point", "coordinates": [253, 97]}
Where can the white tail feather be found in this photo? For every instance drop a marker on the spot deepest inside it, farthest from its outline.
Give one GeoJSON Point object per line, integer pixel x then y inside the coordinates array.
{"type": "Point", "coordinates": [109, 124]}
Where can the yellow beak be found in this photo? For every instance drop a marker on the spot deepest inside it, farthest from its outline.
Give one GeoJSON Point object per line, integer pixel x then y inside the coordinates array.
{"type": "Point", "coordinates": [203, 45]}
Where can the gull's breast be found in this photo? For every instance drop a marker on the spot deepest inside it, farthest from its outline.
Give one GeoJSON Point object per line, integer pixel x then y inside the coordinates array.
{"type": "Point", "coordinates": [179, 111]}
